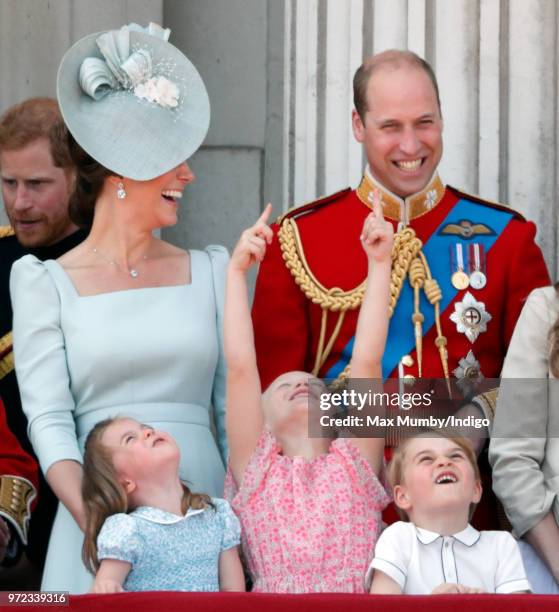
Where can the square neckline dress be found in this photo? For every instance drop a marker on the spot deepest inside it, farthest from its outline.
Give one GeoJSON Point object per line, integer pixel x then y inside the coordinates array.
{"type": "Point", "coordinates": [154, 354]}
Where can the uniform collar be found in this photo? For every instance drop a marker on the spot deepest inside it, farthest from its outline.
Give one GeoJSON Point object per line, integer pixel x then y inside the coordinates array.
{"type": "Point", "coordinates": [468, 536]}
{"type": "Point", "coordinates": [54, 251]}
{"type": "Point", "coordinates": [162, 517]}
{"type": "Point", "coordinates": [396, 208]}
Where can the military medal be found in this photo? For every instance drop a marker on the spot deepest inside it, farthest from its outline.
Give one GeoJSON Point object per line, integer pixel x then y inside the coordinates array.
{"type": "Point", "coordinates": [459, 279]}
{"type": "Point", "coordinates": [470, 317]}
{"type": "Point", "coordinates": [478, 280]}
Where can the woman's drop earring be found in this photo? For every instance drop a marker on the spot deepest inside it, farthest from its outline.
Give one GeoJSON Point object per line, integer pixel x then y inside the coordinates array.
{"type": "Point", "coordinates": [121, 192]}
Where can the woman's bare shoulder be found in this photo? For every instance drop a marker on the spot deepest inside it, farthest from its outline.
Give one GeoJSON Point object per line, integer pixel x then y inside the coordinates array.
{"type": "Point", "coordinates": [166, 249]}
{"type": "Point", "coordinates": [76, 257]}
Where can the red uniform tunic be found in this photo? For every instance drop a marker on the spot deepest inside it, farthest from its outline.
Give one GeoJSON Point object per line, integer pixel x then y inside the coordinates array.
{"type": "Point", "coordinates": [287, 323]}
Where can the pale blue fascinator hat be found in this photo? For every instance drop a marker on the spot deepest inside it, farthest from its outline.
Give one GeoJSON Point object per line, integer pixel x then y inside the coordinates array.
{"type": "Point", "coordinates": [133, 101]}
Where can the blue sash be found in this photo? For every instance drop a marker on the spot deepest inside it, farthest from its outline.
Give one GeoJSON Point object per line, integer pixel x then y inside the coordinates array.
{"type": "Point", "coordinates": [401, 339]}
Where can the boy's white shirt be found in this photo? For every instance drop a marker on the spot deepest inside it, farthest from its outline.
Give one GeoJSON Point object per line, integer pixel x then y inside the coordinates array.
{"type": "Point", "coordinates": [420, 560]}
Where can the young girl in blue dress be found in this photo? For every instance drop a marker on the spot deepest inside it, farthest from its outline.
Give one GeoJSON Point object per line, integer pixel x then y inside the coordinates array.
{"type": "Point", "coordinates": [145, 529]}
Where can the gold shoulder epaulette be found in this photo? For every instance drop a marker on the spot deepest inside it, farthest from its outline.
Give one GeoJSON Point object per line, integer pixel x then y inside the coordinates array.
{"type": "Point", "coordinates": [6, 230]}
{"type": "Point", "coordinates": [295, 211]}
{"type": "Point", "coordinates": [485, 202]}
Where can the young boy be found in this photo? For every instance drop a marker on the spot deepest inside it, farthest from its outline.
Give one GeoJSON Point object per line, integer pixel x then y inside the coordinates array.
{"type": "Point", "coordinates": [436, 488]}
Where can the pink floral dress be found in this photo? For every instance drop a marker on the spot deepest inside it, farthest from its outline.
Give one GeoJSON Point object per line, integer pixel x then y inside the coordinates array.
{"type": "Point", "coordinates": [308, 525]}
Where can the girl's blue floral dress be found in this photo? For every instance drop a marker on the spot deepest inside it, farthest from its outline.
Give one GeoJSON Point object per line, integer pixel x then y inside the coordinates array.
{"type": "Point", "coordinates": [170, 552]}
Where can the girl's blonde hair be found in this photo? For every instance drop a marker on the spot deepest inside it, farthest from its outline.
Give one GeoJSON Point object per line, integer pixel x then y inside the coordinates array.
{"type": "Point", "coordinates": [395, 471]}
{"type": "Point", "coordinates": [103, 495]}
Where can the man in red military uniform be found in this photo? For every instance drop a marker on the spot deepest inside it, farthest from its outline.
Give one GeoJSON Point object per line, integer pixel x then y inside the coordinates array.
{"type": "Point", "coordinates": [462, 267]}
{"type": "Point", "coordinates": [18, 492]}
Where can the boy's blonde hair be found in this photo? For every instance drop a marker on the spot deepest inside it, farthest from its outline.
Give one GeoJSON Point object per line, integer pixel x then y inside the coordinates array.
{"type": "Point", "coordinates": [395, 470]}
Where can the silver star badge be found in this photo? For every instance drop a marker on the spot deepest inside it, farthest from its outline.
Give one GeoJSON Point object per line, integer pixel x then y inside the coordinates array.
{"type": "Point", "coordinates": [470, 317]}
{"type": "Point", "coordinates": [468, 374]}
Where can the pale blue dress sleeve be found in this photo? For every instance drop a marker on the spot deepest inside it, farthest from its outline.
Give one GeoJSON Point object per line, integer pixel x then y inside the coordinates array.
{"type": "Point", "coordinates": [120, 539]}
{"type": "Point", "coordinates": [40, 360]}
{"type": "Point", "coordinates": [219, 259]}
{"type": "Point", "coordinates": [229, 523]}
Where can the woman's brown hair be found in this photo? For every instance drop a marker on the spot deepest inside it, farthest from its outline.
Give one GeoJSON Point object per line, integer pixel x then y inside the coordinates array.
{"type": "Point", "coordinates": [103, 495]}
{"type": "Point", "coordinates": [90, 177]}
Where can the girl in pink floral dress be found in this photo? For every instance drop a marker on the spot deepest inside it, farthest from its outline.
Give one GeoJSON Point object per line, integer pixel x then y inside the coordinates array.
{"type": "Point", "coordinates": [310, 508]}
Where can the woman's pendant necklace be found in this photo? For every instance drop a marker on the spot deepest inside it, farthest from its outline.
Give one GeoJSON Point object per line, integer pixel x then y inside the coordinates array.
{"type": "Point", "coordinates": [133, 272]}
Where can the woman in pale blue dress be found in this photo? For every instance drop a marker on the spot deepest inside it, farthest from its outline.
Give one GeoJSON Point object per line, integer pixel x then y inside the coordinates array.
{"type": "Point", "coordinates": [125, 323]}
